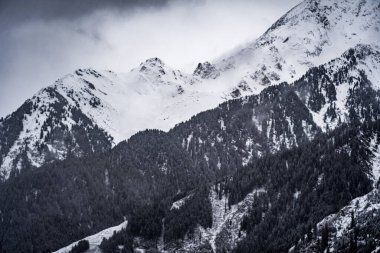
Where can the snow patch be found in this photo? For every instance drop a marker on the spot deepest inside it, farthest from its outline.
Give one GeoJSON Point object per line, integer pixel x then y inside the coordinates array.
{"type": "Point", "coordinates": [179, 203]}
{"type": "Point", "coordinates": [96, 239]}
{"type": "Point", "coordinates": [224, 220]}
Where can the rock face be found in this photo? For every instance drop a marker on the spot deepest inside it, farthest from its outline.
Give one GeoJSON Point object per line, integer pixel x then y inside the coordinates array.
{"type": "Point", "coordinates": [89, 111]}
{"type": "Point", "coordinates": [153, 95]}
{"type": "Point", "coordinates": [274, 148]}
{"type": "Point", "coordinates": [311, 34]}
{"type": "Point", "coordinates": [242, 142]}
{"type": "Point", "coordinates": [206, 70]}
{"type": "Point", "coordinates": [45, 128]}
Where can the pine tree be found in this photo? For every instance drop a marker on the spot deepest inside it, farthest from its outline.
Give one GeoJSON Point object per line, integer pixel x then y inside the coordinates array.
{"type": "Point", "coordinates": [325, 237]}
{"type": "Point", "coordinates": [353, 223]}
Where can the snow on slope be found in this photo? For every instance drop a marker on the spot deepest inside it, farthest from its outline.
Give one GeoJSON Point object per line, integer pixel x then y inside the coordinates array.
{"type": "Point", "coordinates": [179, 203]}
{"type": "Point", "coordinates": [375, 173]}
{"type": "Point", "coordinates": [343, 74]}
{"type": "Point", "coordinates": [150, 96]}
{"type": "Point", "coordinates": [156, 96]}
{"type": "Point", "coordinates": [310, 34]}
{"type": "Point", "coordinates": [96, 239]}
{"type": "Point", "coordinates": [225, 223]}
{"type": "Point", "coordinates": [364, 209]}
{"type": "Point", "coordinates": [31, 130]}
{"type": "Point", "coordinates": [153, 95]}
{"type": "Point", "coordinates": [45, 128]}
{"type": "Point", "coordinates": [125, 102]}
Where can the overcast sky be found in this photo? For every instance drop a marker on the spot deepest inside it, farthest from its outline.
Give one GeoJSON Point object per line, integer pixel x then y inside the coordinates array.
{"type": "Point", "coordinates": [42, 40]}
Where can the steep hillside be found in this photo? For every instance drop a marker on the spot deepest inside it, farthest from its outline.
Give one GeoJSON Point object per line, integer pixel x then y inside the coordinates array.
{"type": "Point", "coordinates": [344, 89]}
{"type": "Point", "coordinates": [153, 166]}
{"type": "Point", "coordinates": [273, 148]}
{"type": "Point", "coordinates": [277, 200]}
{"type": "Point", "coordinates": [312, 33]}
{"type": "Point", "coordinates": [91, 111]}
{"type": "Point", "coordinates": [113, 107]}
{"type": "Point", "coordinates": [63, 201]}
{"type": "Point", "coordinates": [139, 179]}
{"type": "Point", "coordinates": [46, 128]}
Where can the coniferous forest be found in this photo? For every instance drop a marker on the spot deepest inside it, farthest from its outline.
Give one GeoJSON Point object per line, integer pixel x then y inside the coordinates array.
{"type": "Point", "coordinates": [275, 147]}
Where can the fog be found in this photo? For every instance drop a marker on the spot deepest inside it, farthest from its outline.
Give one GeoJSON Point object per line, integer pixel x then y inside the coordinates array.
{"type": "Point", "coordinates": [40, 41]}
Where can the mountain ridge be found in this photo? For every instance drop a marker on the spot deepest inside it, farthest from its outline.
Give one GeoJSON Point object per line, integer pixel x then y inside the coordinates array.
{"type": "Point", "coordinates": [165, 97]}
{"type": "Point", "coordinates": [265, 150]}
{"type": "Point", "coordinates": [210, 146]}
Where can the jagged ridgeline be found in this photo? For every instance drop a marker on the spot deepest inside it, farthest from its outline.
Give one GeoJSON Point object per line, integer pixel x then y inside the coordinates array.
{"type": "Point", "coordinates": [96, 191]}
{"type": "Point", "coordinates": [51, 206]}
{"type": "Point", "coordinates": [100, 105]}
{"type": "Point", "coordinates": [64, 131]}
{"type": "Point", "coordinates": [291, 164]}
{"type": "Point", "coordinates": [341, 90]}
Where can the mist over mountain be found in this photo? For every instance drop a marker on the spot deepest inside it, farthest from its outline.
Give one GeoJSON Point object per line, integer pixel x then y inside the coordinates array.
{"type": "Point", "coordinates": [272, 147]}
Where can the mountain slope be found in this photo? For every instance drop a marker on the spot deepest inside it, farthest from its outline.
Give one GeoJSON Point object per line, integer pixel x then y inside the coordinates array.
{"type": "Point", "coordinates": [312, 33]}
{"type": "Point", "coordinates": [227, 139]}
{"type": "Point", "coordinates": [104, 107]}
{"type": "Point", "coordinates": [209, 147]}
{"type": "Point", "coordinates": [45, 128]}
{"type": "Point", "coordinates": [343, 88]}
{"type": "Point", "coordinates": [222, 141]}
{"type": "Point", "coordinates": [62, 201]}
{"type": "Point", "coordinates": [355, 226]}
{"type": "Point", "coordinates": [115, 106]}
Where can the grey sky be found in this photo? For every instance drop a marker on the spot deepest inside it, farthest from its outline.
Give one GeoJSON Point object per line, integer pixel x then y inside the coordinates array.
{"type": "Point", "coordinates": [42, 40]}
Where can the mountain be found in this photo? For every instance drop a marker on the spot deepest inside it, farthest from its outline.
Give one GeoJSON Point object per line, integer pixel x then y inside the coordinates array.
{"type": "Point", "coordinates": [208, 147]}
{"type": "Point", "coordinates": [91, 111]}
{"type": "Point", "coordinates": [273, 148]}
{"type": "Point", "coordinates": [343, 88]}
{"type": "Point", "coordinates": [228, 139]}
{"type": "Point", "coordinates": [234, 140]}
{"type": "Point", "coordinates": [45, 128]}
{"type": "Point", "coordinates": [104, 103]}
{"type": "Point", "coordinates": [275, 201]}
{"type": "Point", "coordinates": [310, 34]}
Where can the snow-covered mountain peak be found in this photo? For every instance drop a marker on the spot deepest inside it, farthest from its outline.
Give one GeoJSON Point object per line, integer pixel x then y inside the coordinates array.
{"type": "Point", "coordinates": [206, 70]}
{"type": "Point", "coordinates": [154, 95]}
{"type": "Point", "coordinates": [154, 61]}
{"type": "Point", "coordinates": [156, 72]}
{"type": "Point", "coordinates": [87, 72]}
{"type": "Point", "coordinates": [312, 33]}
{"type": "Point", "coordinates": [154, 65]}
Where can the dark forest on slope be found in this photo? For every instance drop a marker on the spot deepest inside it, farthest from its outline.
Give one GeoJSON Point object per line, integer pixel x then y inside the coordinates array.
{"type": "Point", "coordinates": [267, 140]}
{"type": "Point", "coordinates": [88, 194]}
{"type": "Point", "coordinates": [327, 172]}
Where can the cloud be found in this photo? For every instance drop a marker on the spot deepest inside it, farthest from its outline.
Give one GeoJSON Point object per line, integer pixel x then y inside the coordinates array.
{"type": "Point", "coordinates": [26, 10]}
{"type": "Point", "coordinates": [57, 37]}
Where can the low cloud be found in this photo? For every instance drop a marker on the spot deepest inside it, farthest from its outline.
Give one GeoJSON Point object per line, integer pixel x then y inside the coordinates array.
{"type": "Point", "coordinates": [56, 39]}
